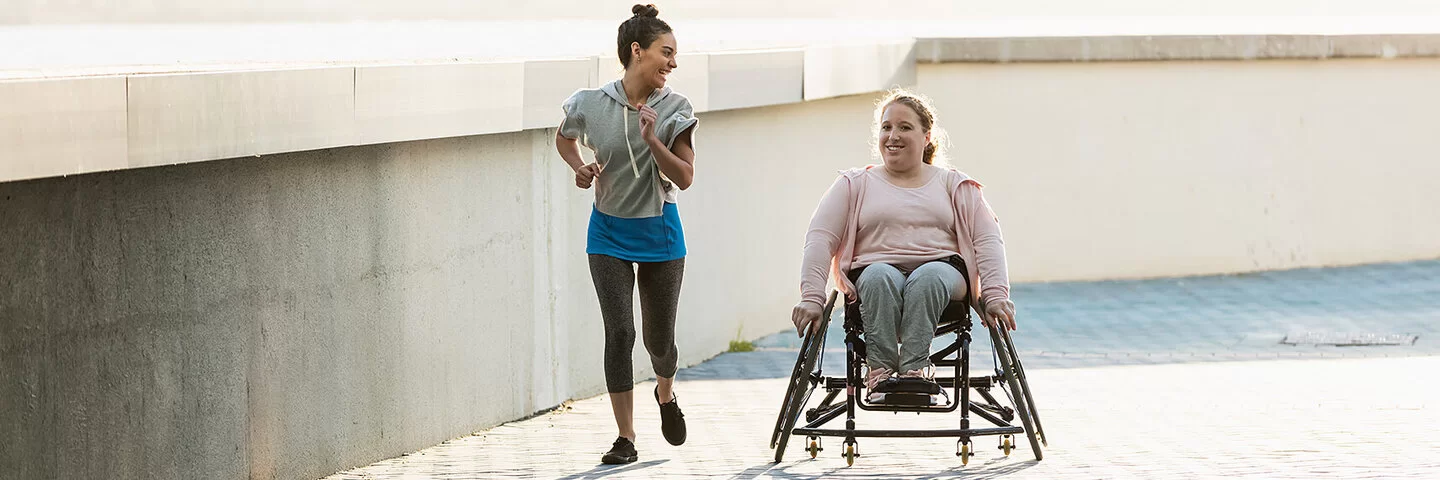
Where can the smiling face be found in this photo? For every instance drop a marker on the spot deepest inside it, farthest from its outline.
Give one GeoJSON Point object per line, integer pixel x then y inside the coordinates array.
{"type": "Point", "coordinates": [653, 64]}
{"type": "Point", "coordinates": [903, 138]}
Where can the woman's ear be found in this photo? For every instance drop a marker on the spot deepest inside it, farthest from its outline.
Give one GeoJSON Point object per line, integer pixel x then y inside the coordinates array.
{"type": "Point", "coordinates": [635, 51]}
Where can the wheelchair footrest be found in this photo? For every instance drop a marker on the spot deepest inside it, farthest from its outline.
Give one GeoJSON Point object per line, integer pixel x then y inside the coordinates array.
{"type": "Point", "coordinates": [908, 399]}
{"type": "Point", "coordinates": [908, 386]}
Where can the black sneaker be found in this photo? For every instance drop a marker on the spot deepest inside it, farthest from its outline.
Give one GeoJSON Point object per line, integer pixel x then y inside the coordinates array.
{"type": "Point", "coordinates": [672, 422]}
{"type": "Point", "coordinates": [623, 451]}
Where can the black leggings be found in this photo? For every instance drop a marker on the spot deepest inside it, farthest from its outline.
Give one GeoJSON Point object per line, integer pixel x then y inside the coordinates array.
{"type": "Point", "coordinates": [659, 298]}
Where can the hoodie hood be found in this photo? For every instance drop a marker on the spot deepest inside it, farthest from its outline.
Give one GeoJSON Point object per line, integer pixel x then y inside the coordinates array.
{"type": "Point", "coordinates": [616, 91]}
{"type": "Point", "coordinates": [631, 185]}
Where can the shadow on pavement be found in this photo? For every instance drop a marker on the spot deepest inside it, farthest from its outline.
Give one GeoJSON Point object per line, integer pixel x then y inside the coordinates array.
{"type": "Point", "coordinates": [994, 469]}
{"type": "Point", "coordinates": [606, 470]}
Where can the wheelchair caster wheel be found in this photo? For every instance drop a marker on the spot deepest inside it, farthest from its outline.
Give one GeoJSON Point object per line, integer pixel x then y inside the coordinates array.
{"type": "Point", "coordinates": [964, 454]}
{"type": "Point", "coordinates": [1006, 445]}
{"type": "Point", "coordinates": [850, 455]}
{"type": "Point", "coordinates": [814, 448]}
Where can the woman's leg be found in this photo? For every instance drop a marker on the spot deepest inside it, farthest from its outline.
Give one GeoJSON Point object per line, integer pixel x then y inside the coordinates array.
{"type": "Point", "coordinates": [659, 299]}
{"type": "Point", "coordinates": [614, 285]}
{"type": "Point", "coordinates": [927, 293]}
{"type": "Point", "coordinates": [880, 287]}
{"type": "Point", "coordinates": [659, 302]}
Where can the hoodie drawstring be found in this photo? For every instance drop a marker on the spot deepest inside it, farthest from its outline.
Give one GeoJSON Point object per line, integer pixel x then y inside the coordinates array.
{"type": "Point", "coordinates": [629, 149]}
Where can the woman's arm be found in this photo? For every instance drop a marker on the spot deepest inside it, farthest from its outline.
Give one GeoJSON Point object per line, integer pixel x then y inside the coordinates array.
{"type": "Point", "coordinates": [676, 162]}
{"type": "Point", "coordinates": [569, 150]}
{"type": "Point", "coordinates": [989, 247]}
{"type": "Point", "coordinates": [822, 240]}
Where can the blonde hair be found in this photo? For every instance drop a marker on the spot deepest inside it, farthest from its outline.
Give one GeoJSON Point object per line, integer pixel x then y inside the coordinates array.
{"type": "Point", "coordinates": [922, 107]}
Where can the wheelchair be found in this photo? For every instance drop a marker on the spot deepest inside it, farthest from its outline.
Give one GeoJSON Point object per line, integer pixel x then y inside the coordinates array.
{"type": "Point", "coordinates": [916, 396]}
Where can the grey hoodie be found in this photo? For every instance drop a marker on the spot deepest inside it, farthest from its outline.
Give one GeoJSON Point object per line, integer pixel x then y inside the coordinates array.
{"type": "Point", "coordinates": [630, 184]}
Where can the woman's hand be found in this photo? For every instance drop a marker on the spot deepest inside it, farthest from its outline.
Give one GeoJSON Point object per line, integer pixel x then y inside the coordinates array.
{"type": "Point", "coordinates": [647, 123]}
{"type": "Point", "coordinates": [806, 316]}
{"type": "Point", "coordinates": [999, 313]}
{"type": "Point", "coordinates": [585, 175]}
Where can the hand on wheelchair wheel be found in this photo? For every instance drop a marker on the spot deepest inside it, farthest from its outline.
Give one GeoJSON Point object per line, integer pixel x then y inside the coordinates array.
{"type": "Point", "coordinates": [805, 316]}
{"type": "Point", "coordinates": [999, 313]}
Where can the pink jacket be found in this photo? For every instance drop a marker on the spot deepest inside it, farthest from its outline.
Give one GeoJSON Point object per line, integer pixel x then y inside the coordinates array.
{"type": "Point", "coordinates": [830, 243]}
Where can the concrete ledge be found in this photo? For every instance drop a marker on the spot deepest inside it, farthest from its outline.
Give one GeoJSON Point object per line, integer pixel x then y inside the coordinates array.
{"type": "Point", "coordinates": [691, 79]}
{"type": "Point", "coordinates": [61, 127]}
{"type": "Point", "coordinates": [67, 126]}
{"type": "Point", "coordinates": [756, 79]}
{"type": "Point", "coordinates": [1175, 47]}
{"type": "Point", "coordinates": [187, 118]}
{"type": "Point", "coordinates": [833, 71]}
{"type": "Point", "coordinates": [402, 103]}
{"type": "Point", "coordinates": [546, 81]}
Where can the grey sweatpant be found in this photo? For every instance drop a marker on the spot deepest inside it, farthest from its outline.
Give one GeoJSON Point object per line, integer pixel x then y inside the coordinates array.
{"type": "Point", "coordinates": [615, 281]}
{"type": "Point", "coordinates": [903, 309]}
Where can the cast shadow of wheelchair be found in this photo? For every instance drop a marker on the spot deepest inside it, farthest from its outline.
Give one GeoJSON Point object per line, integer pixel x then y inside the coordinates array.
{"type": "Point", "coordinates": [994, 468]}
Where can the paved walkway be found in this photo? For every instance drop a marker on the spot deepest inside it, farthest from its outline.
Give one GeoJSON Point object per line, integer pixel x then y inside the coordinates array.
{"type": "Point", "coordinates": [1192, 378]}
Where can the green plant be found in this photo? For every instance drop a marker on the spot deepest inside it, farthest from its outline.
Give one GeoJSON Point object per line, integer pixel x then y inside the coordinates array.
{"type": "Point", "coordinates": [739, 344]}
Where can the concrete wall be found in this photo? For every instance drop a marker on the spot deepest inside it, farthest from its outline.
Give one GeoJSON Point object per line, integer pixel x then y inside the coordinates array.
{"type": "Point", "coordinates": [291, 315]}
{"type": "Point", "coordinates": [272, 317]}
{"type": "Point", "coordinates": [1142, 169]}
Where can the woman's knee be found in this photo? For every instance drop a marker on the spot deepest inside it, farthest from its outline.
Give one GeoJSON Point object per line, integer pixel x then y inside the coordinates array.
{"type": "Point", "coordinates": [659, 343]}
{"type": "Point", "coordinates": [879, 277]}
{"type": "Point", "coordinates": [622, 335]}
{"type": "Point", "coordinates": [933, 277]}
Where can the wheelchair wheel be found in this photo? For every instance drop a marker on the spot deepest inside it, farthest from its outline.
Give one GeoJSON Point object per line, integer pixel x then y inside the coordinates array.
{"type": "Point", "coordinates": [802, 383]}
{"type": "Point", "coordinates": [1025, 386]}
{"type": "Point", "coordinates": [1017, 395]}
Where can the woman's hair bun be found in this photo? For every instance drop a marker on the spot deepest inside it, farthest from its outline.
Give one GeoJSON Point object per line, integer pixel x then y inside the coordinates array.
{"type": "Point", "coordinates": [647, 10]}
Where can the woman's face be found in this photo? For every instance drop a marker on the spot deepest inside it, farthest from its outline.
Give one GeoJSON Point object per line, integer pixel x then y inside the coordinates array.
{"type": "Point", "coordinates": [655, 63]}
{"type": "Point", "coordinates": [902, 140]}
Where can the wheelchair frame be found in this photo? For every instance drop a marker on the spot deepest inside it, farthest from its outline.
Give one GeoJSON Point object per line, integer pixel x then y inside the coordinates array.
{"type": "Point", "coordinates": [1009, 377]}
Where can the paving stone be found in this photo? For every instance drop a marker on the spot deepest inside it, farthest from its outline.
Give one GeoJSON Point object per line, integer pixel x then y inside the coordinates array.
{"type": "Point", "coordinates": [1174, 378]}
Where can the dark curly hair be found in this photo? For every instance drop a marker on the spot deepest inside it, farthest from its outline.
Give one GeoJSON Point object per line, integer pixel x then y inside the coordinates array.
{"type": "Point", "coordinates": [643, 28]}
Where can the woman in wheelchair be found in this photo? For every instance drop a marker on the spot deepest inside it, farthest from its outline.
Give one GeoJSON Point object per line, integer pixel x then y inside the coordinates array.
{"type": "Point", "coordinates": [903, 239]}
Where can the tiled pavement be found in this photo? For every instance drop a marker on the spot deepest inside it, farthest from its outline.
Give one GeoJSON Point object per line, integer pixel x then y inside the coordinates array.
{"type": "Point", "coordinates": [1178, 378]}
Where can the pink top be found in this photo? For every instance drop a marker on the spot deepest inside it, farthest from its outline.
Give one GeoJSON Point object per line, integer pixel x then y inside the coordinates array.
{"type": "Point", "coordinates": [845, 231]}
{"type": "Point", "coordinates": [904, 227]}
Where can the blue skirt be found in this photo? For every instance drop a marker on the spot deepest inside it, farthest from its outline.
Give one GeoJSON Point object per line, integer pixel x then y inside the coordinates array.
{"type": "Point", "coordinates": [649, 239]}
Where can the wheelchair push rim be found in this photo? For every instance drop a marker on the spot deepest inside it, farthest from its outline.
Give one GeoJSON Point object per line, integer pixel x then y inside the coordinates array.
{"type": "Point", "coordinates": [802, 383]}
{"type": "Point", "coordinates": [1018, 396]}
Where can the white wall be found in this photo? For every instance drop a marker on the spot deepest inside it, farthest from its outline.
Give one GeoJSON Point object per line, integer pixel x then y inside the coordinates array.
{"type": "Point", "coordinates": [1143, 169]}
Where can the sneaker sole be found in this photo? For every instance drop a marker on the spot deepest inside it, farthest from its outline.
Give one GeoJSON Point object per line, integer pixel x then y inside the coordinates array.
{"type": "Point", "coordinates": [618, 460]}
